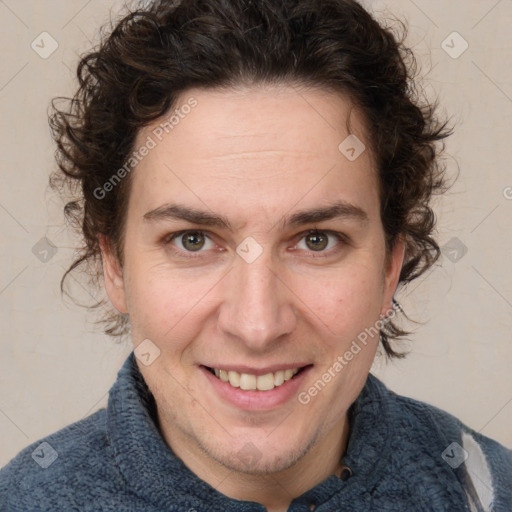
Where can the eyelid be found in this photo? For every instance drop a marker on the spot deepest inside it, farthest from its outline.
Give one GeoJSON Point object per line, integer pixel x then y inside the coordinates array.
{"type": "Point", "coordinates": [169, 237]}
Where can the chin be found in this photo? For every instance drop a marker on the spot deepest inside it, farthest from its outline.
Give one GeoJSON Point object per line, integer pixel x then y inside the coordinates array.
{"type": "Point", "coordinates": [249, 459]}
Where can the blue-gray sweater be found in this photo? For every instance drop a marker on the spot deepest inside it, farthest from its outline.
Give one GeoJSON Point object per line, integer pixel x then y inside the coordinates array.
{"type": "Point", "coordinates": [400, 452]}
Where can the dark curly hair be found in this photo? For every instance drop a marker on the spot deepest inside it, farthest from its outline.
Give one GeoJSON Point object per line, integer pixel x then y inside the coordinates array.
{"type": "Point", "coordinates": [162, 48]}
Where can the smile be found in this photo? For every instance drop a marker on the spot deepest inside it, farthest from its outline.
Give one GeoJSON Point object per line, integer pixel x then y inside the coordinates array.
{"type": "Point", "coordinates": [251, 382]}
{"type": "Point", "coordinates": [256, 389]}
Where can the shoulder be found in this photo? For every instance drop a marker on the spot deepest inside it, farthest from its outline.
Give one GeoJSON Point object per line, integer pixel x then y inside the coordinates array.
{"type": "Point", "coordinates": [60, 468]}
{"type": "Point", "coordinates": [442, 427]}
{"type": "Point", "coordinates": [481, 465]}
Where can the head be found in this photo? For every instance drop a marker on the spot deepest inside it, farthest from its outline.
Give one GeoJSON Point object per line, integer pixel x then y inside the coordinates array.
{"type": "Point", "coordinates": [255, 184]}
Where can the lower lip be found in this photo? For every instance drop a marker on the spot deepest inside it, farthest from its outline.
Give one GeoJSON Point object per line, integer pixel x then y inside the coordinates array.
{"type": "Point", "coordinates": [257, 400]}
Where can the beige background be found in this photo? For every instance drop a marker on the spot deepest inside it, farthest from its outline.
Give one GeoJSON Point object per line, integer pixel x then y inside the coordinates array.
{"type": "Point", "coordinates": [56, 369]}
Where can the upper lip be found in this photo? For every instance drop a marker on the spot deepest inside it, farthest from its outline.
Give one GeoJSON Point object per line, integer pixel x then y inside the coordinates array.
{"type": "Point", "coordinates": [257, 371]}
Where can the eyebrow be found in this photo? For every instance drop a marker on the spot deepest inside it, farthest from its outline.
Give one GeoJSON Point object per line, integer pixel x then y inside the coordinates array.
{"type": "Point", "coordinates": [192, 215]}
{"type": "Point", "coordinates": [340, 209]}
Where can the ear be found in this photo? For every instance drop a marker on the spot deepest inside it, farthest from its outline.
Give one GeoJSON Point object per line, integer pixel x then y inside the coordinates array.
{"type": "Point", "coordinates": [113, 275]}
{"type": "Point", "coordinates": [394, 262]}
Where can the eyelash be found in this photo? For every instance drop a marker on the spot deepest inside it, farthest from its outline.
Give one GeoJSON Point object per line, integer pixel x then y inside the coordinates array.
{"type": "Point", "coordinates": [341, 237]}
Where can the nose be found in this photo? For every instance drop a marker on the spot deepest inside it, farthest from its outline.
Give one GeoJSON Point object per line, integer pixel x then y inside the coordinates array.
{"type": "Point", "coordinates": [257, 309]}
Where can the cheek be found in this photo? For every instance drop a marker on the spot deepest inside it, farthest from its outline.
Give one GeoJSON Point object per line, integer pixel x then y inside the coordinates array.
{"type": "Point", "coordinates": [345, 301]}
{"type": "Point", "coordinates": [166, 305]}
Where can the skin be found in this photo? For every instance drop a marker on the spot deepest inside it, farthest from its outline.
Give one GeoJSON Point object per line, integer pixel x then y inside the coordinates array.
{"type": "Point", "coordinates": [255, 155]}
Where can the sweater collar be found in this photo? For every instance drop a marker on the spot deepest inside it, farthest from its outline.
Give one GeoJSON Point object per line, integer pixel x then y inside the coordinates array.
{"type": "Point", "coordinates": [157, 476]}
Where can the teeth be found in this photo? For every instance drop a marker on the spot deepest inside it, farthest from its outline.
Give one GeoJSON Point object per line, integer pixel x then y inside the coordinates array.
{"type": "Point", "coordinates": [288, 374]}
{"type": "Point", "coordinates": [278, 378]}
{"type": "Point", "coordinates": [247, 381]}
{"type": "Point", "coordinates": [265, 382]}
{"type": "Point", "coordinates": [234, 379]}
{"type": "Point", "coordinates": [250, 382]}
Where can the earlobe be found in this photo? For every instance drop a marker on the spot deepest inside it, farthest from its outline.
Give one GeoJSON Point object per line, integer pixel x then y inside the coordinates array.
{"type": "Point", "coordinates": [112, 275]}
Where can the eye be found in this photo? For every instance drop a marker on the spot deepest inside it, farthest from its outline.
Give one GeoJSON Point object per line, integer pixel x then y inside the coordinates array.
{"type": "Point", "coordinates": [190, 241]}
{"type": "Point", "coordinates": [319, 241]}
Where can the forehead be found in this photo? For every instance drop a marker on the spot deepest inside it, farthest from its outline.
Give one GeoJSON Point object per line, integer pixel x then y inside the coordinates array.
{"type": "Point", "coordinates": [252, 146]}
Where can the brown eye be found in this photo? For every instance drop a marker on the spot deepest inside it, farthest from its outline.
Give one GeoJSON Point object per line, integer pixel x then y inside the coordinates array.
{"type": "Point", "coordinates": [317, 241]}
{"type": "Point", "coordinates": [193, 241]}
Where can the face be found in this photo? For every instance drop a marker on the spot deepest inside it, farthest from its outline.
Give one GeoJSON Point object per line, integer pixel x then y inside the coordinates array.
{"type": "Point", "coordinates": [254, 250]}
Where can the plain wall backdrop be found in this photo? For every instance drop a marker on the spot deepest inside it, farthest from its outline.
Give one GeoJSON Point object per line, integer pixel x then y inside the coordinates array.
{"type": "Point", "coordinates": [57, 368]}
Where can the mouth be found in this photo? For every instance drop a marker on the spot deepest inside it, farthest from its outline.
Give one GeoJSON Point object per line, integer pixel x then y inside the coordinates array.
{"type": "Point", "coordinates": [253, 382]}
